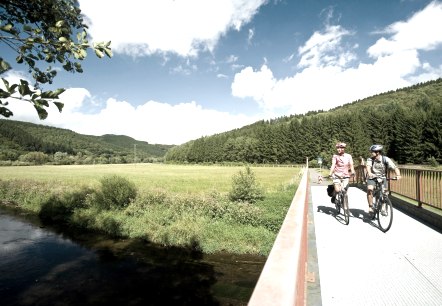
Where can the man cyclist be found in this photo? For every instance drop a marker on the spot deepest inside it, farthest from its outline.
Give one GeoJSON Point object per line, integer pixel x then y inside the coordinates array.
{"type": "Point", "coordinates": [339, 170]}
{"type": "Point", "coordinates": [377, 166]}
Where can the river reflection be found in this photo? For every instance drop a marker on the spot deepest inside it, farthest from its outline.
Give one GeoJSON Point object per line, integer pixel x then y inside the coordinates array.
{"type": "Point", "coordinates": [42, 266]}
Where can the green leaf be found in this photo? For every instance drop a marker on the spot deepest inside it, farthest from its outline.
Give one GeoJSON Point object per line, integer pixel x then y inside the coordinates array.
{"type": "Point", "coordinates": [43, 102]}
{"type": "Point", "coordinates": [108, 52]}
{"type": "Point", "coordinates": [99, 53]}
{"type": "Point", "coordinates": [19, 59]}
{"type": "Point", "coordinates": [42, 113]}
{"type": "Point", "coordinates": [5, 112]}
{"type": "Point", "coordinates": [78, 67]}
{"type": "Point", "coordinates": [7, 28]}
{"type": "Point", "coordinates": [4, 95]}
{"type": "Point", "coordinates": [58, 92]}
{"type": "Point", "coordinates": [59, 23]}
{"type": "Point", "coordinates": [6, 83]}
{"type": "Point", "coordinates": [59, 106]}
{"type": "Point", "coordinates": [62, 39]}
{"type": "Point", "coordinates": [4, 66]}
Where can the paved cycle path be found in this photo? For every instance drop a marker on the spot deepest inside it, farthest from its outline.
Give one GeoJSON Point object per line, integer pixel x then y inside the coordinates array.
{"type": "Point", "coordinates": [360, 265]}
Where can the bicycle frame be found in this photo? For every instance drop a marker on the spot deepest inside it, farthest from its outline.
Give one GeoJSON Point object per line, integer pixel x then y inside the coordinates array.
{"type": "Point", "coordinates": [342, 199]}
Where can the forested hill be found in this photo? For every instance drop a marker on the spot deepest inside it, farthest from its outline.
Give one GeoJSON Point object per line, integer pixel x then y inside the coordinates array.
{"type": "Point", "coordinates": [406, 121]}
{"type": "Point", "coordinates": [37, 144]}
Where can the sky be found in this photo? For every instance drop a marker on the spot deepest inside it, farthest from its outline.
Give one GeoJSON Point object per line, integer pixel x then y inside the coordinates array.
{"type": "Point", "coordinates": [184, 69]}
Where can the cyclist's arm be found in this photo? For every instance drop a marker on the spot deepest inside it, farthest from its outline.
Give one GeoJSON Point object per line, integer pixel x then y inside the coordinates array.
{"type": "Point", "coordinates": [332, 168]}
{"type": "Point", "coordinates": [352, 167]}
{"type": "Point", "coordinates": [397, 172]}
{"type": "Point", "coordinates": [392, 165]}
{"type": "Point", "coordinates": [368, 167]}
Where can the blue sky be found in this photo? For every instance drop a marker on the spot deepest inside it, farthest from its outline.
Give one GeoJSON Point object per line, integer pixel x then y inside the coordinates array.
{"type": "Point", "coordinates": [183, 69]}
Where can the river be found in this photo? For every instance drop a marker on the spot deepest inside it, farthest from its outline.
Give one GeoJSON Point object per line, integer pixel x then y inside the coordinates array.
{"type": "Point", "coordinates": [42, 265]}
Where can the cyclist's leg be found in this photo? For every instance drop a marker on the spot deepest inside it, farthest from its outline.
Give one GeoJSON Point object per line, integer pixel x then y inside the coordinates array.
{"type": "Point", "coordinates": [370, 187]}
{"type": "Point", "coordinates": [337, 185]}
{"type": "Point", "coordinates": [345, 183]}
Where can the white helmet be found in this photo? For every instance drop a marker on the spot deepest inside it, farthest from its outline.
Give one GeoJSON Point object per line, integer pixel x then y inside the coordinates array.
{"type": "Point", "coordinates": [376, 148]}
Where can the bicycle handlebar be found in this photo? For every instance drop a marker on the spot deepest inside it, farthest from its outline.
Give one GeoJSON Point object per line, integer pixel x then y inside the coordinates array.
{"type": "Point", "coordinates": [381, 177]}
{"type": "Point", "coordinates": [332, 177]}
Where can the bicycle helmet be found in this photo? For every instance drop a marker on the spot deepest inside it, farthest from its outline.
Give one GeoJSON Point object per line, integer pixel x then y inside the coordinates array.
{"type": "Point", "coordinates": [376, 148]}
{"type": "Point", "coordinates": [341, 145]}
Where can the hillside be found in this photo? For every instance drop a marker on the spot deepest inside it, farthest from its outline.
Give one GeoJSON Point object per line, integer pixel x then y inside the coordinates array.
{"type": "Point", "coordinates": [406, 121]}
{"type": "Point", "coordinates": [18, 139]}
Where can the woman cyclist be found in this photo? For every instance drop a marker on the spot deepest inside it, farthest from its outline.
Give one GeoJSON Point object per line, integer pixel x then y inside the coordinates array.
{"type": "Point", "coordinates": [339, 170]}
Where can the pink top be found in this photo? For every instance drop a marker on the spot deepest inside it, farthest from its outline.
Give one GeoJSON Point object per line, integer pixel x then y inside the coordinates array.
{"type": "Point", "coordinates": [342, 165]}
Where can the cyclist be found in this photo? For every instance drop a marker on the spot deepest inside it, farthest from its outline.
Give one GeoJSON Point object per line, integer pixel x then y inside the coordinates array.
{"type": "Point", "coordinates": [377, 166]}
{"type": "Point", "coordinates": [339, 170]}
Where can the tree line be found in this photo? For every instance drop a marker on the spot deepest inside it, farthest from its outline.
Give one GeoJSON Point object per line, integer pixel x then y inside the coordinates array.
{"type": "Point", "coordinates": [407, 122]}
{"type": "Point", "coordinates": [29, 143]}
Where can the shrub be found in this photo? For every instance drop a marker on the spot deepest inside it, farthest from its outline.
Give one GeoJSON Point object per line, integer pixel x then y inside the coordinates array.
{"type": "Point", "coordinates": [245, 188]}
{"type": "Point", "coordinates": [432, 161]}
{"type": "Point", "coordinates": [116, 192]}
{"type": "Point", "coordinates": [60, 207]}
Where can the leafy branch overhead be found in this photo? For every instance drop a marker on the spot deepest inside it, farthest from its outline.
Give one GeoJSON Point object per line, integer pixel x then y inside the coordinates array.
{"type": "Point", "coordinates": [43, 33]}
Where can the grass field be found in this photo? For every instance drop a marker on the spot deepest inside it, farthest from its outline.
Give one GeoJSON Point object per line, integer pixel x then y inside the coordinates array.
{"type": "Point", "coordinates": [174, 178]}
{"type": "Point", "coordinates": [176, 205]}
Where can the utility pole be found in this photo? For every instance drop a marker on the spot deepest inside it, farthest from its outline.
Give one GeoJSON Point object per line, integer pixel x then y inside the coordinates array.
{"type": "Point", "coordinates": [135, 153]}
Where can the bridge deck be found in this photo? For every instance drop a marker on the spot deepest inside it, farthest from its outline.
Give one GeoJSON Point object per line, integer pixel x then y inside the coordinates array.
{"type": "Point", "coordinates": [360, 265]}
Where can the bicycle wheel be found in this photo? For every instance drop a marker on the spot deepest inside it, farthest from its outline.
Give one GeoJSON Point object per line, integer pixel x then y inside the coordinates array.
{"type": "Point", "coordinates": [346, 210]}
{"type": "Point", "coordinates": [385, 214]}
{"type": "Point", "coordinates": [338, 203]}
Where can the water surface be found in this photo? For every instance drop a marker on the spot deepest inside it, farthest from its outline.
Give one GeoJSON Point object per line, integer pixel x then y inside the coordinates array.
{"type": "Point", "coordinates": [40, 265]}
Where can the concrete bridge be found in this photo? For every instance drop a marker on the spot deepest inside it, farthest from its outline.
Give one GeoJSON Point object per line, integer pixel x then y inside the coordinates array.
{"type": "Point", "coordinates": [319, 260]}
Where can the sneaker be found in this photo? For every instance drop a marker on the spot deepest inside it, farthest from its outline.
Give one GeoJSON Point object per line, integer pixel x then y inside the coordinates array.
{"type": "Point", "coordinates": [370, 210]}
{"type": "Point", "coordinates": [384, 211]}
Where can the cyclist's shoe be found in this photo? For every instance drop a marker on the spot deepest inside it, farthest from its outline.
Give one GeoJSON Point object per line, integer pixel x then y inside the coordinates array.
{"type": "Point", "coordinates": [384, 211]}
{"type": "Point", "coordinates": [370, 210]}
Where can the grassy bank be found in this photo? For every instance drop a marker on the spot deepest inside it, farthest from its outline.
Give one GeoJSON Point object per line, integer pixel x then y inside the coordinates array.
{"type": "Point", "coordinates": [174, 204]}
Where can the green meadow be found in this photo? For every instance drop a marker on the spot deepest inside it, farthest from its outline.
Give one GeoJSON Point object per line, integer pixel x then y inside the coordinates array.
{"type": "Point", "coordinates": [171, 205]}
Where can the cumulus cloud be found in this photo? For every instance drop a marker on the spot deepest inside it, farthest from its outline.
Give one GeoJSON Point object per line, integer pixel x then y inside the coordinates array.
{"type": "Point", "coordinates": [158, 26]}
{"type": "Point", "coordinates": [158, 122]}
{"type": "Point", "coordinates": [420, 32]}
{"type": "Point", "coordinates": [154, 122]}
{"type": "Point", "coordinates": [329, 74]}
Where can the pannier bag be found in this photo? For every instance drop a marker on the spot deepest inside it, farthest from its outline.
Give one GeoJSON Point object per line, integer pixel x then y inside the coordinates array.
{"type": "Point", "coordinates": [330, 189]}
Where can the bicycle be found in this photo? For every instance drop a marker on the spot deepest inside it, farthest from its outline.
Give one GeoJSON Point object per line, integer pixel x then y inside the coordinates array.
{"type": "Point", "coordinates": [382, 207]}
{"type": "Point", "coordinates": [341, 200]}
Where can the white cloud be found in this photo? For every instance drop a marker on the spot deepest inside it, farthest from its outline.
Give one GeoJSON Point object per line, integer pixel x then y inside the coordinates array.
{"type": "Point", "coordinates": [326, 48]}
{"type": "Point", "coordinates": [421, 32]}
{"type": "Point", "coordinates": [154, 122]}
{"type": "Point", "coordinates": [181, 27]}
{"type": "Point", "coordinates": [330, 76]}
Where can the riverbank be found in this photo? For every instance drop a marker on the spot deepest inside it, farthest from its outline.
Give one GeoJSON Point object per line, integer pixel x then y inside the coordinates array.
{"type": "Point", "coordinates": [206, 221]}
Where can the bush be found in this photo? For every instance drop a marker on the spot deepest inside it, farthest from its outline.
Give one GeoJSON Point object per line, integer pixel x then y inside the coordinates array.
{"type": "Point", "coordinates": [432, 162]}
{"type": "Point", "coordinates": [116, 192]}
{"type": "Point", "coordinates": [245, 188]}
{"type": "Point", "coordinates": [60, 207]}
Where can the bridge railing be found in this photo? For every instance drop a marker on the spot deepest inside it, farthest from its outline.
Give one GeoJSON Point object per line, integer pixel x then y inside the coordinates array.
{"type": "Point", "coordinates": [282, 280]}
{"type": "Point", "coordinates": [423, 186]}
